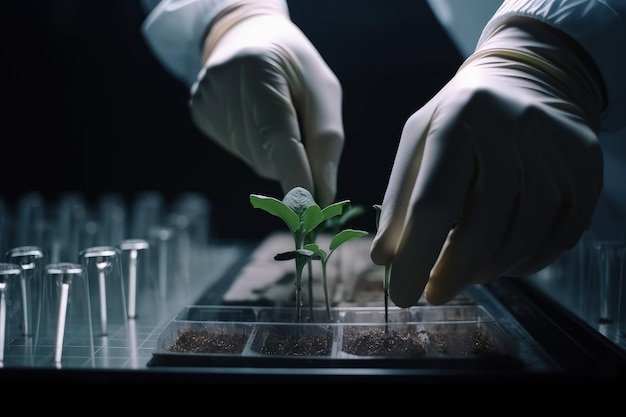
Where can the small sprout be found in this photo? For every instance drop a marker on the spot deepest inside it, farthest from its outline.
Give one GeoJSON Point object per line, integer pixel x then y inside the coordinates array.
{"type": "Point", "coordinates": [378, 209]}
{"type": "Point", "coordinates": [337, 240]}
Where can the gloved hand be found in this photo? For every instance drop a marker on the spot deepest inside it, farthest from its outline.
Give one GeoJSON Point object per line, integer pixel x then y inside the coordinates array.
{"type": "Point", "coordinates": [266, 95]}
{"type": "Point", "coordinates": [499, 172]}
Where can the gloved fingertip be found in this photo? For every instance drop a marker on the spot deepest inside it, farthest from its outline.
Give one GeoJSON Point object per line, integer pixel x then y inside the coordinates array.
{"type": "Point", "coordinates": [401, 301]}
{"type": "Point", "coordinates": [380, 253]}
{"type": "Point", "coordinates": [437, 297]}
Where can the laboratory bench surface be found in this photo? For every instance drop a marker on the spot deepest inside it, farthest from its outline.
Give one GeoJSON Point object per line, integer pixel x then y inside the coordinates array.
{"type": "Point", "coordinates": [126, 348]}
{"type": "Point", "coordinates": [574, 353]}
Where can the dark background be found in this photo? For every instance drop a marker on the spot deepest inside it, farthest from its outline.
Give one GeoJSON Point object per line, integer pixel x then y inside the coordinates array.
{"type": "Point", "coordinates": [87, 108]}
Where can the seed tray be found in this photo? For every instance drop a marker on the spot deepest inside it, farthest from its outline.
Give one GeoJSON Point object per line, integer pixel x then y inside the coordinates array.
{"type": "Point", "coordinates": [421, 336]}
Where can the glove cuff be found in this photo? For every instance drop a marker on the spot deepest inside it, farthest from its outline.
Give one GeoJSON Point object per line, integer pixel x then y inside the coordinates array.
{"type": "Point", "coordinates": [175, 30]}
{"type": "Point", "coordinates": [232, 15]}
{"type": "Point", "coordinates": [599, 27]}
{"type": "Point", "coordinates": [551, 56]}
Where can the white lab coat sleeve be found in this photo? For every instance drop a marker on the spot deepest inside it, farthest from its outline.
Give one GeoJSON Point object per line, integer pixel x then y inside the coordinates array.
{"type": "Point", "coordinates": [599, 26]}
{"type": "Point", "coordinates": [175, 31]}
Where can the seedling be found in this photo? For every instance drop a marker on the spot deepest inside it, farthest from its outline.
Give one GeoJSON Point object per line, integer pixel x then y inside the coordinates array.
{"type": "Point", "coordinates": [334, 225]}
{"type": "Point", "coordinates": [337, 240]}
{"type": "Point", "coordinates": [303, 216]}
{"type": "Point", "coordinates": [378, 209]}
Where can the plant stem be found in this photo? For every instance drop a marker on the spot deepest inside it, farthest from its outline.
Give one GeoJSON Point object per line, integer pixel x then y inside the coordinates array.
{"type": "Point", "coordinates": [299, 268]}
{"type": "Point", "coordinates": [298, 296]}
{"type": "Point", "coordinates": [386, 293]}
{"type": "Point", "coordinates": [386, 311]}
{"type": "Point", "coordinates": [326, 298]}
{"type": "Point", "coordinates": [310, 269]}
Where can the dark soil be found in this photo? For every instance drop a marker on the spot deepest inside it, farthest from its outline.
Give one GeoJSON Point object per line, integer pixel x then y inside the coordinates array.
{"type": "Point", "coordinates": [402, 343]}
{"type": "Point", "coordinates": [218, 340]}
{"type": "Point", "coordinates": [476, 343]}
{"type": "Point", "coordinates": [376, 341]}
{"type": "Point", "coordinates": [310, 341]}
{"type": "Point", "coordinates": [364, 341]}
{"type": "Point", "coordinates": [357, 340]}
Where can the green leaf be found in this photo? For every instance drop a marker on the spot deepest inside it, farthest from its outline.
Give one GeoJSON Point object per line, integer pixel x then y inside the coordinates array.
{"type": "Point", "coordinates": [345, 236]}
{"type": "Point", "coordinates": [319, 253]}
{"type": "Point", "coordinates": [378, 209]}
{"type": "Point", "coordinates": [311, 218]}
{"type": "Point", "coordinates": [312, 247]}
{"type": "Point", "coordinates": [335, 209]}
{"type": "Point", "coordinates": [335, 224]}
{"type": "Point", "coordinates": [299, 253]}
{"type": "Point", "coordinates": [276, 208]}
{"type": "Point", "coordinates": [351, 213]}
{"type": "Point", "coordinates": [299, 199]}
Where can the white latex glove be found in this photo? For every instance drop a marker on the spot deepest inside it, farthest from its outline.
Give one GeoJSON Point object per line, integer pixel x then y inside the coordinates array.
{"type": "Point", "coordinates": [499, 173]}
{"type": "Point", "coordinates": [266, 95]}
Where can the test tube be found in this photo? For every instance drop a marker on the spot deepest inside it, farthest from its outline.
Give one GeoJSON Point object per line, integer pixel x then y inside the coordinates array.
{"type": "Point", "coordinates": [75, 228]}
{"type": "Point", "coordinates": [31, 260]}
{"type": "Point", "coordinates": [31, 220]}
{"type": "Point", "coordinates": [162, 238]}
{"type": "Point", "coordinates": [197, 209]}
{"type": "Point", "coordinates": [106, 287]}
{"type": "Point", "coordinates": [131, 249]}
{"type": "Point", "coordinates": [8, 272]}
{"type": "Point", "coordinates": [610, 259]}
{"type": "Point", "coordinates": [62, 282]}
{"type": "Point", "coordinates": [183, 255]}
{"type": "Point", "coordinates": [621, 305]}
{"type": "Point", "coordinates": [148, 210]}
{"type": "Point", "coordinates": [112, 219]}
{"type": "Point", "coordinates": [5, 223]}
